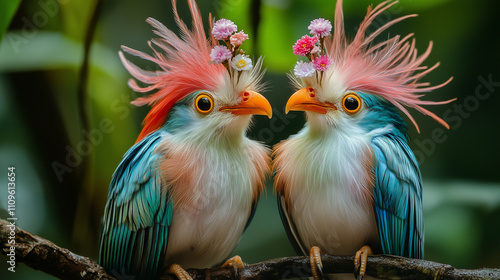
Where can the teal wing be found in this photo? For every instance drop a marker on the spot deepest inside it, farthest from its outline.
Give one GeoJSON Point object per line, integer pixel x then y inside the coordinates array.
{"type": "Point", "coordinates": [138, 214]}
{"type": "Point", "coordinates": [398, 197]}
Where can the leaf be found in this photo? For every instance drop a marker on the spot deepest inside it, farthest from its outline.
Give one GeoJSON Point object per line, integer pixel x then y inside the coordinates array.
{"type": "Point", "coordinates": [8, 9]}
{"type": "Point", "coordinates": [52, 50]}
{"type": "Point", "coordinates": [46, 50]}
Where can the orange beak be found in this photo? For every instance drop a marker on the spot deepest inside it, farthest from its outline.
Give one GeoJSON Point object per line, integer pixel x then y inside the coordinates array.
{"type": "Point", "coordinates": [305, 100]}
{"type": "Point", "coordinates": [252, 103]}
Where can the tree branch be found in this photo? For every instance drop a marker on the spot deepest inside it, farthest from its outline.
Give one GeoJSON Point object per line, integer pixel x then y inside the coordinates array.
{"type": "Point", "coordinates": [41, 254]}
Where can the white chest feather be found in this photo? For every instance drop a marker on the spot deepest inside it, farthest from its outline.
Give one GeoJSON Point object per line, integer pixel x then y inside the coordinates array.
{"type": "Point", "coordinates": [212, 193]}
{"type": "Point", "coordinates": [327, 180]}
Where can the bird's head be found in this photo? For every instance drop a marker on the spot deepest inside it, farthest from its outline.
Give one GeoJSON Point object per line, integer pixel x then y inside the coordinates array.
{"type": "Point", "coordinates": [344, 109]}
{"type": "Point", "coordinates": [359, 84]}
{"type": "Point", "coordinates": [201, 86]}
{"type": "Point", "coordinates": [223, 112]}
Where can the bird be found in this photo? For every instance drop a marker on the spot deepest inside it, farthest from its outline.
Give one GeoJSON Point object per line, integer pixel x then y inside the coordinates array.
{"type": "Point", "coordinates": [183, 194]}
{"type": "Point", "coordinates": [348, 183]}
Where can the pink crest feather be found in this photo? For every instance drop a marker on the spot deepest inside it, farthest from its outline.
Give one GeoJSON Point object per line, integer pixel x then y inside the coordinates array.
{"type": "Point", "coordinates": [185, 67]}
{"type": "Point", "coordinates": [388, 69]}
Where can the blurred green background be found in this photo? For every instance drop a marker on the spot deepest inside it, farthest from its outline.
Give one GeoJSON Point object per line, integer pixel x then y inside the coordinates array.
{"type": "Point", "coordinates": [65, 124]}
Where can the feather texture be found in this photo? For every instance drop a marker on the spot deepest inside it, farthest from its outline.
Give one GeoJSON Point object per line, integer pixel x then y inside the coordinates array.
{"type": "Point", "coordinates": [398, 197]}
{"type": "Point", "coordinates": [215, 191]}
{"type": "Point", "coordinates": [391, 69]}
{"type": "Point", "coordinates": [138, 214]}
{"type": "Point", "coordinates": [326, 184]}
{"type": "Point", "coordinates": [185, 67]}
{"type": "Point", "coordinates": [168, 190]}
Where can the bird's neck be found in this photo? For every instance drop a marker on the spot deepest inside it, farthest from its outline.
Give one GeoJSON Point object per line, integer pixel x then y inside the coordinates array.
{"type": "Point", "coordinates": [212, 135]}
{"type": "Point", "coordinates": [223, 162]}
{"type": "Point", "coordinates": [336, 159]}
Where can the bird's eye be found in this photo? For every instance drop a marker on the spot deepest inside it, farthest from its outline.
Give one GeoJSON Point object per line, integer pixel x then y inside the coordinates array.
{"type": "Point", "coordinates": [351, 103]}
{"type": "Point", "coordinates": [204, 103]}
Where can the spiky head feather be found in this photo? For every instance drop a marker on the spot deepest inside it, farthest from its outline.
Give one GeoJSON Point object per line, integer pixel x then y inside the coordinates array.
{"type": "Point", "coordinates": [185, 68]}
{"type": "Point", "coordinates": [389, 69]}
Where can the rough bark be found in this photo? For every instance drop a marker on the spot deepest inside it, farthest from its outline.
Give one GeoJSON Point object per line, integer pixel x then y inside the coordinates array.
{"type": "Point", "coordinates": [41, 254]}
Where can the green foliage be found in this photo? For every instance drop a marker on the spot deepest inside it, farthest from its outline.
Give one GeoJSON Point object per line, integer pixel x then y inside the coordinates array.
{"type": "Point", "coordinates": [276, 38]}
{"type": "Point", "coordinates": [46, 50]}
{"type": "Point", "coordinates": [8, 9]}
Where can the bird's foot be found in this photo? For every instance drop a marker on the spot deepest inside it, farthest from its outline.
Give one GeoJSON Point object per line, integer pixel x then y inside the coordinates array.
{"type": "Point", "coordinates": [360, 261]}
{"type": "Point", "coordinates": [235, 262]}
{"type": "Point", "coordinates": [178, 271]}
{"type": "Point", "coordinates": [316, 264]}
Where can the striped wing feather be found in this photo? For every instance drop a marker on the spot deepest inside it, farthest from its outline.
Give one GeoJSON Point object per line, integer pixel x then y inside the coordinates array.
{"type": "Point", "coordinates": [398, 197]}
{"type": "Point", "coordinates": [137, 216]}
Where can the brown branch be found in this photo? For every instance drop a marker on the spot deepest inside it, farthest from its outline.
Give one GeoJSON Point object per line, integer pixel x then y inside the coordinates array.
{"type": "Point", "coordinates": [379, 266]}
{"type": "Point", "coordinates": [41, 254]}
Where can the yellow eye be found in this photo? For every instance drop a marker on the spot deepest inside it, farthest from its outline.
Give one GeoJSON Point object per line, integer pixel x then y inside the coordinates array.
{"type": "Point", "coordinates": [351, 103]}
{"type": "Point", "coordinates": [204, 103]}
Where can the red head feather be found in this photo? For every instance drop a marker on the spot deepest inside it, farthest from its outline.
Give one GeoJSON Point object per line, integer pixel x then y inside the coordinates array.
{"type": "Point", "coordinates": [387, 69]}
{"type": "Point", "coordinates": [185, 68]}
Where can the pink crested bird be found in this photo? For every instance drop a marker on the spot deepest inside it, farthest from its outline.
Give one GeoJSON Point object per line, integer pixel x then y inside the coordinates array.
{"type": "Point", "coordinates": [348, 183]}
{"type": "Point", "coordinates": [185, 192]}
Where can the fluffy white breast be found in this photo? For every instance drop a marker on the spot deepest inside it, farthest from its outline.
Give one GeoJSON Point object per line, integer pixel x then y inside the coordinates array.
{"type": "Point", "coordinates": [212, 190]}
{"type": "Point", "coordinates": [327, 181]}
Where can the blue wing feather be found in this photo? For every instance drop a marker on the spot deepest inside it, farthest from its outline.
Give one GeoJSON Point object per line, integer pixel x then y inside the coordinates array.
{"type": "Point", "coordinates": [398, 197]}
{"type": "Point", "coordinates": [138, 214]}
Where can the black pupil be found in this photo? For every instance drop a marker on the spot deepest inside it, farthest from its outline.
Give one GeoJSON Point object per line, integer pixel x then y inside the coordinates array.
{"type": "Point", "coordinates": [204, 104]}
{"type": "Point", "coordinates": [351, 103]}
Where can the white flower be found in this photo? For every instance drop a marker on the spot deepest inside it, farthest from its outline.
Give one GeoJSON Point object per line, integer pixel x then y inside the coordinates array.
{"type": "Point", "coordinates": [304, 69]}
{"type": "Point", "coordinates": [320, 27]}
{"type": "Point", "coordinates": [241, 62]}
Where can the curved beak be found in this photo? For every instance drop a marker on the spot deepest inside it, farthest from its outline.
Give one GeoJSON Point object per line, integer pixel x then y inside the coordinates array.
{"type": "Point", "coordinates": [305, 100]}
{"type": "Point", "coordinates": [252, 103]}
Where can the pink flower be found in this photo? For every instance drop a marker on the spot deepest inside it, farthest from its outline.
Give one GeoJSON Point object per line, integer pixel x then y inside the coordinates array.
{"type": "Point", "coordinates": [304, 45]}
{"type": "Point", "coordinates": [322, 63]}
{"type": "Point", "coordinates": [220, 54]}
{"type": "Point", "coordinates": [320, 27]}
{"type": "Point", "coordinates": [223, 28]}
{"type": "Point", "coordinates": [238, 38]}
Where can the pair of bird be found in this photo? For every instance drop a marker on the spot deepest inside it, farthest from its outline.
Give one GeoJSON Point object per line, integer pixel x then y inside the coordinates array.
{"type": "Point", "coordinates": [347, 182]}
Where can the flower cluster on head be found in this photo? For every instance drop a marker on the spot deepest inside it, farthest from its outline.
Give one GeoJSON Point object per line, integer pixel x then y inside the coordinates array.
{"type": "Point", "coordinates": [313, 47]}
{"type": "Point", "coordinates": [230, 55]}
